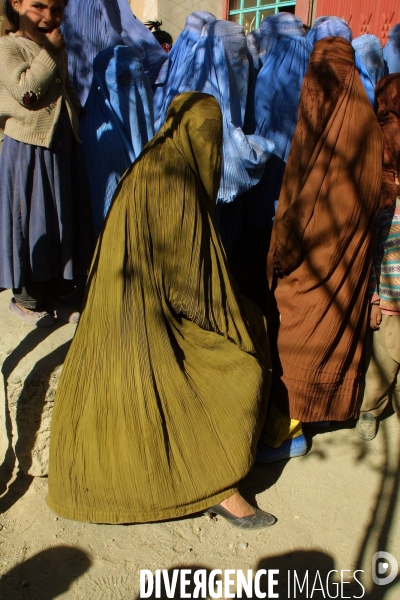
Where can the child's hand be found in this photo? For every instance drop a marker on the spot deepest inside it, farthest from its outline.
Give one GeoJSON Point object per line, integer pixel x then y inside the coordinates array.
{"type": "Point", "coordinates": [54, 41]}
{"type": "Point", "coordinates": [376, 316]}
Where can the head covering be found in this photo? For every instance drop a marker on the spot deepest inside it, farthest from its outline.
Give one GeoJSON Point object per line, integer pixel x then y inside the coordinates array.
{"type": "Point", "coordinates": [117, 124]}
{"type": "Point", "coordinates": [218, 65]}
{"type": "Point", "coordinates": [90, 26]}
{"type": "Point", "coordinates": [165, 347]}
{"type": "Point", "coordinates": [273, 113]}
{"type": "Point", "coordinates": [369, 62]}
{"type": "Point", "coordinates": [322, 236]}
{"type": "Point", "coordinates": [253, 45]}
{"type": "Point", "coordinates": [391, 52]}
{"type": "Point", "coordinates": [274, 27]}
{"type": "Point", "coordinates": [329, 26]}
{"type": "Point", "coordinates": [178, 55]}
{"type": "Point", "coordinates": [388, 112]}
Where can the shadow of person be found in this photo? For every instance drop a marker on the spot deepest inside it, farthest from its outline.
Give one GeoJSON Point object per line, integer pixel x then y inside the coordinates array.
{"type": "Point", "coordinates": [31, 341]}
{"type": "Point", "coordinates": [261, 478]}
{"type": "Point", "coordinates": [29, 412]}
{"type": "Point", "coordinates": [313, 574]}
{"type": "Point", "coordinates": [45, 575]}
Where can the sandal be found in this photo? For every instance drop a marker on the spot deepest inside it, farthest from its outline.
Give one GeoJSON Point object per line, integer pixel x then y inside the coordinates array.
{"type": "Point", "coordinates": [31, 317]}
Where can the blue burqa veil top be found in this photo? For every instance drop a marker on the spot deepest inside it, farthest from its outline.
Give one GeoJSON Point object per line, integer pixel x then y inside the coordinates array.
{"type": "Point", "coordinates": [369, 62]}
{"type": "Point", "coordinates": [391, 52]}
{"type": "Point", "coordinates": [324, 27]}
{"type": "Point", "coordinates": [219, 65]}
{"type": "Point", "coordinates": [179, 53]}
{"type": "Point", "coordinates": [93, 25]}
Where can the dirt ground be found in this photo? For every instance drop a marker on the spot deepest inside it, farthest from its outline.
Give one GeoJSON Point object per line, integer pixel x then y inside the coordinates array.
{"type": "Point", "coordinates": [336, 507]}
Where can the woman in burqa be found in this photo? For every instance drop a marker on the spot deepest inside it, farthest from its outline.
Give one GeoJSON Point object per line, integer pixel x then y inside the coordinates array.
{"type": "Point", "coordinates": [163, 393]}
{"type": "Point", "coordinates": [271, 113]}
{"type": "Point", "coordinates": [91, 26]}
{"type": "Point", "coordinates": [391, 52]}
{"type": "Point", "coordinates": [369, 62]}
{"type": "Point", "coordinates": [320, 255]}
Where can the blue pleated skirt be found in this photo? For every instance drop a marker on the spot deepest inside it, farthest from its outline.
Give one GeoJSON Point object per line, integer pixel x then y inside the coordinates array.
{"type": "Point", "coordinates": [45, 222]}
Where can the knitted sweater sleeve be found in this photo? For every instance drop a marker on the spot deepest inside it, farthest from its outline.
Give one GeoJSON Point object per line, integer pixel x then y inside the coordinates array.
{"type": "Point", "coordinates": [25, 82]}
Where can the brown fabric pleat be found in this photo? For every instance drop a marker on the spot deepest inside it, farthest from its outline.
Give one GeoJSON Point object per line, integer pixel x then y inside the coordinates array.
{"type": "Point", "coordinates": [387, 94]}
{"type": "Point", "coordinates": [163, 392]}
{"type": "Point", "coordinates": [320, 255]}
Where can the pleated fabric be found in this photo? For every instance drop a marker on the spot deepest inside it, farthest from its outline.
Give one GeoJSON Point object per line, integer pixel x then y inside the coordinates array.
{"type": "Point", "coordinates": [320, 255]}
{"type": "Point", "coordinates": [253, 40]}
{"type": "Point", "coordinates": [45, 220]}
{"type": "Point", "coordinates": [218, 65]}
{"type": "Point", "coordinates": [273, 28]}
{"type": "Point", "coordinates": [273, 111]}
{"type": "Point", "coordinates": [388, 112]}
{"type": "Point", "coordinates": [176, 58]}
{"type": "Point", "coordinates": [391, 51]}
{"type": "Point", "coordinates": [369, 62]}
{"type": "Point", "coordinates": [118, 123]}
{"type": "Point", "coordinates": [163, 392]}
{"type": "Point", "coordinates": [324, 27]}
{"type": "Point", "coordinates": [90, 26]}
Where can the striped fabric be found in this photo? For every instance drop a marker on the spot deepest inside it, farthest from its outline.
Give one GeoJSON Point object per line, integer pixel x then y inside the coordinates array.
{"type": "Point", "coordinates": [93, 25]}
{"type": "Point", "coordinates": [385, 272]}
{"type": "Point", "coordinates": [163, 393]}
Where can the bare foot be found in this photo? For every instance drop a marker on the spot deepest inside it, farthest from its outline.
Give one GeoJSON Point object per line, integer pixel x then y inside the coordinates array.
{"type": "Point", "coordinates": [238, 506]}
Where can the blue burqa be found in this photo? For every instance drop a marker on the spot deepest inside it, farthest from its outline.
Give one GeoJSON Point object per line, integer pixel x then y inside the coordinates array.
{"type": "Point", "coordinates": [391, 52]}
{"type": "Point", "coordinates": [273, 28]}
{"type": "Point", "coordinates": [369, 62]}
{"type": "Point", "coordinates": [118, 123]}
{"type": "Point", "coordinates": [272, 113]}
{"type": "Point", "coordinates": [218, 65]}
{"type": "Point", "coordinates": [324, 27]}
{"type": "Point", "coordinates": [93, 25]}
{"type": "Point", "coordinates": [177, 57]}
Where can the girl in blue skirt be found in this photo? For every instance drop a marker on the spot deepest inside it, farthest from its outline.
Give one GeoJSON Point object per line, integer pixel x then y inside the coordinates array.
{"type": "Point", "coordinates": [45, 223]}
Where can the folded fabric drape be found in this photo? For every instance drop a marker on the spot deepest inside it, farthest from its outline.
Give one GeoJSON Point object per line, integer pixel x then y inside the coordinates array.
{"type": "Point", "coordinates": [320, 255]}
{"type": "Point", "coordinates": [178, 55]}
{"type": "Point", "coordinates": [329, 26]}
{"type": "Point", "coordinates": [118, 123]}
{"type": "Point", "coordinates": [168, 372]}
{"type": "Point", "coordinates": [273, 28]}
{"type": "Point", "coordinates": [388, 112]}
{"type": "Point", "coordinates": [391, 51]}
{"type": "Point", "coordinates": [369, 62]}
{"type": "Point", "coordinates": [218, 65]}
{"type": "Point", "coordinates": [90, 26]}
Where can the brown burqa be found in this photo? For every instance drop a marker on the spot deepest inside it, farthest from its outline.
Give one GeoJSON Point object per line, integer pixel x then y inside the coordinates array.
{"type": "Point", "coordinates": [387, 93]}
{"type": "Point", "coordinates": [320, 254]}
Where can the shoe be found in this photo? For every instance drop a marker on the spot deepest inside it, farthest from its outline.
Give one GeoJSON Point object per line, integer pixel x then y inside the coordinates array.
{"type": "Point", "coordinates": [258, 520]}
{"type": "Point", "coordinates": [40, 319]}
{"type": "Point", "coordinates": [367, 426]}
{"type": "Point", "coordinates": [289, 449]}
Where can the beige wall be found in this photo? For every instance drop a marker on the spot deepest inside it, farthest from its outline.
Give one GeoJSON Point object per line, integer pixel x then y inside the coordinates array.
{"type": "Point", "coordinates": [173, 13]}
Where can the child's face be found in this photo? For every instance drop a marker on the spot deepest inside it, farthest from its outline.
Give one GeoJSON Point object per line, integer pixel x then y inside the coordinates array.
{"type": "Point", "coordinates": [38, 17]}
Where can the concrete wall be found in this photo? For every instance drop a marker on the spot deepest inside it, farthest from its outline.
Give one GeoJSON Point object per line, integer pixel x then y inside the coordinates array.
{"type": "Point", "coordinates": [145, 10]}
{"type": "Point", "coordinates": [173, 13]}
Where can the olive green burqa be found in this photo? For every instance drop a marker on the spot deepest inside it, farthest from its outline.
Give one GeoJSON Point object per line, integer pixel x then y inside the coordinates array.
{"type": "Point", "coordinates": [163, 392]}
